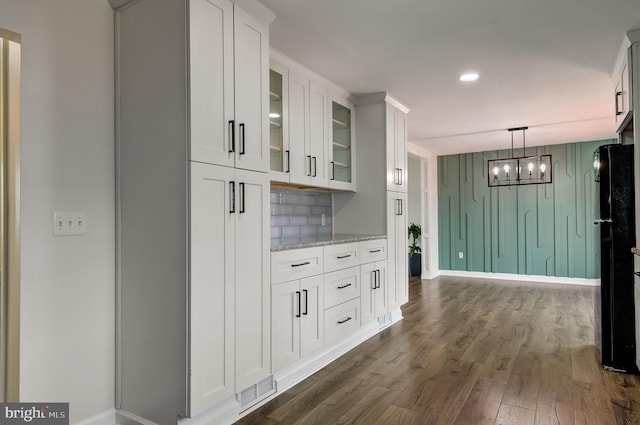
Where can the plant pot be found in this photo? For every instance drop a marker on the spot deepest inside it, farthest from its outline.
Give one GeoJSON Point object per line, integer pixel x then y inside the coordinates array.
{"type": "Point", "coordinates": [415, 264]}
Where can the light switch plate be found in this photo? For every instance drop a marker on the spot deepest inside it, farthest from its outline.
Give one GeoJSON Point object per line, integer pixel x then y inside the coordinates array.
{"type": "Point", "coordinates": [69, 223]}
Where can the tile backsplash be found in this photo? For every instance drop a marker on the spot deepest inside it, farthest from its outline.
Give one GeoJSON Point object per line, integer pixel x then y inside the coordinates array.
{"type": "Point", "coordinates": [300, 216]}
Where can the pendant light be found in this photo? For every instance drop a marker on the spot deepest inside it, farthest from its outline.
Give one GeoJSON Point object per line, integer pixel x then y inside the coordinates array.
{"type": "Point", "coordinates": [521, 170]}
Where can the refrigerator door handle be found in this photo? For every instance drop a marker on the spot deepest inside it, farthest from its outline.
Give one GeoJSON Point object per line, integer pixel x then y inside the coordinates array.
{"type": "Point", "coordinates": [602, 220]}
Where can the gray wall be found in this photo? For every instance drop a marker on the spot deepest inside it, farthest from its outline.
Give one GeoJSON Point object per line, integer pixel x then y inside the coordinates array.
{"type": "Point", "coordinates": [414, 200]}
{"type": "Point", "coordinates": [67, 283]}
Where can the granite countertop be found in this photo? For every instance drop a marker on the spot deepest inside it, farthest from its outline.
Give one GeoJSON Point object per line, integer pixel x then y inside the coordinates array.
{"type": "Point", "coordinates": [323, 240]}
{"type": "Point", "coordinates": [635, 250]}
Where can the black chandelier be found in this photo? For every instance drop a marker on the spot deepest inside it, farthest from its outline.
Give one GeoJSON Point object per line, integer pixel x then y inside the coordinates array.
{"type": "Point", "coordinates": [522, 170]}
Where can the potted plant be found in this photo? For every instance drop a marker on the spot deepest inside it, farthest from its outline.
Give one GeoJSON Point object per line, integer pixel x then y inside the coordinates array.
{"type": "Point", "coordinates": [415, 256]}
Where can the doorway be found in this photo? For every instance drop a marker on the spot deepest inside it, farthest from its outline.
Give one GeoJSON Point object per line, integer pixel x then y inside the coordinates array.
{"type": "Point", "coordinates": [9, 215]}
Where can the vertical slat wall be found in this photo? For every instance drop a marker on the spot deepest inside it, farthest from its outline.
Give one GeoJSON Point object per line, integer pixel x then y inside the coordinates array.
{"type": "Point", "coordinates": [537, 230]}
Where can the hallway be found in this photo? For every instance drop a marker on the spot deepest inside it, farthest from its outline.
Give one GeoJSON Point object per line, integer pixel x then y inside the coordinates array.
{"type": "Point", "coordinates": [470, 351]}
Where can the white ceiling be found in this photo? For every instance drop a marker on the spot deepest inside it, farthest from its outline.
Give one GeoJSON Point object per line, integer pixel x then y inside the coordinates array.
{"type": "Point", "coordinates": [545, 64]}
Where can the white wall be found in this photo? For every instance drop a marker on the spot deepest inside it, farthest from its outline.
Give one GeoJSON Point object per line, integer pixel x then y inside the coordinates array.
{"type": "Point", "coordinates": [67, 283]}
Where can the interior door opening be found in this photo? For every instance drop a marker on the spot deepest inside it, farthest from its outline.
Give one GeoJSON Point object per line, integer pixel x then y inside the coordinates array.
{"type": "Point", "coordinates": [9, 215]}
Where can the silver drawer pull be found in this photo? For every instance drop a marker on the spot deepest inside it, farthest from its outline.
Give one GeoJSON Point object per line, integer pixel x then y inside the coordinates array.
{"type": "Point", "coordinates": [374, 250]}
{"type": "Point", "coordinates": [340, 257]}
{"type": "Point", "coordinates": [344, 321]}
{"type": "Point", "coordinates": [306, 263]}
{"type": "Point", "coordinates": [344, 286]}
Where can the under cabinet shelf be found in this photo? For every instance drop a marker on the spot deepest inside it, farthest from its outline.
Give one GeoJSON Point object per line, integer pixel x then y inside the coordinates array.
{"type": "Point", "coordinates": [341, 164]}
{"type": "Point", "coordinates": [274, 124]}
{"type": "Point", "coordinates": [273, 96]}
{"type": "Point", "coordinates": [341, 146]}
{"type": "Point", "coordinates": [275, 148]}
{"type": "Point", "coordinates": [340, 123]}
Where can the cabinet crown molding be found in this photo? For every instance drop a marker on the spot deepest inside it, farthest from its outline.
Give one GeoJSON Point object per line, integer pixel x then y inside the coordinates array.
{"type": "Point", "coordinates": [381, 97]}
{"type": "Point", "coordinates": [258, 10]}
{"type": "Point", "coordinates": [634, 35]}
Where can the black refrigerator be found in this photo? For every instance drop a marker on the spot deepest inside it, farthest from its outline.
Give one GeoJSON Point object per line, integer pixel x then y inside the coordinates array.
{"type": "Point", "coordinates": [614, 318]}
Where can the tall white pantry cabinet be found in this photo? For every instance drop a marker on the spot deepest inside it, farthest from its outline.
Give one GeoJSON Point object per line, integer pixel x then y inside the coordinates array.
{"type": "Point", "coordinates": [380, 204]}
{"type": "Point", "coordinates": [193, 293]}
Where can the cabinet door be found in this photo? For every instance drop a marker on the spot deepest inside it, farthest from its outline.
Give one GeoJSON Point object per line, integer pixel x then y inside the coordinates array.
{"type": "Point", "coordinates": [401, 150]}
{"type": "Point", "coordinates": [251, 54]}
{"type": "Point", "coordinates": [286, 315]}
{"type": "Point", "coordinates": [300, 170]}
{"type": "Point", "coordinates": [312, 317]}
{"type": "Point", "coordinates": [391, 122]}
{"type": "Point", "coordinates": [318, 134]}
{"type": "Point", "coordinates": [279, 122]}
{"type": "Point", "coordinates": [367, 297]}
{"type": "Point", "coordinates": [211, 294]}
{"type": "Point", "coordinates": [396, 133]}
{"type": "Point", "coordinates": [341, 146]}
{"type": "Point", "coordinates": [397, 277]}
{"type": "Point", "coordinates": [252, 286]}
{"type": "Point", "coordinates": [381, 294]}
{"type": "Point", "coordinates": [211, 81]}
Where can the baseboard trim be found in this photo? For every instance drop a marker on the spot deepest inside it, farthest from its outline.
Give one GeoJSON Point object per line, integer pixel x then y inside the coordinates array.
{"type": "Point", "coordinates": [127, 418]}
{"type": "Point", "coordinates": [105, 418]}
{"type": "Point", "coordinates": [523, 277]}
{"type": "Point", "coordinates": [229, 411]}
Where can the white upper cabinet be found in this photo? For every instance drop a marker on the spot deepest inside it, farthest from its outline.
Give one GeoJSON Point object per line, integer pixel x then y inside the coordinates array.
{"type": "Point", "coordinates": [279, 153]}
{"type": "Point", "coordinates": [299, 166]}
{"type": "Point", "coordinates": [228, 86]}
{"type": "Point", "coordinates": [302, 151]}
{"type": "Point", "coordinates": [396, 132]}
{"type": "Point", "coordinates": [318, 134]}
{"type": "Point", "coordinates": [341, 146]}
{"type": "Point", "coordinates": [623, 98]}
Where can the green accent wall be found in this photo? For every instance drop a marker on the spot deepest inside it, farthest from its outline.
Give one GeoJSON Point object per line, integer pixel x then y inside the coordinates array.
{"type": "Point", "coordinates": [544, 229]}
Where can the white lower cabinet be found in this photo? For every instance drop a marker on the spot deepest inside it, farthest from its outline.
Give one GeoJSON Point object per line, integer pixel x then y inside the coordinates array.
{"type": "Point", "coordinates": [397, 254]}
{"type": "Point", "coordinates": [297, 318]}
{"type": "Point", "coordinates": [341, 321]}
{"type": "Point", "coordinates": [374, 298]}
{"type": "Point", "coordinates": [341, 286]}
{"type": "Point", "coordinates": [229, 302]}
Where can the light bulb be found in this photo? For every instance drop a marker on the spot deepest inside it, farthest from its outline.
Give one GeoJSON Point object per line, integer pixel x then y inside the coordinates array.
{"type": "Point", "coordinates": [530, 167]}
{"type": "Point", "coordinates": [506, 169]}
{"type": "Point", "coordinates": [496, 171]}
{"type": "Point", "coordinates": [543, 168]}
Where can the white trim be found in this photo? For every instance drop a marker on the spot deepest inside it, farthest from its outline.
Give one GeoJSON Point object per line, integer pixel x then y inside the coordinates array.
{"type": "Point", "coordinates": [229, 411]}
{"type": "Point", "coordinates": [523, 277]}
{"type": "Point", "coordinates": [132, 418]}
{"type": "Point", "coordinates": [381, 97]}
{"type": "Point", "coordinates": [105, 418]}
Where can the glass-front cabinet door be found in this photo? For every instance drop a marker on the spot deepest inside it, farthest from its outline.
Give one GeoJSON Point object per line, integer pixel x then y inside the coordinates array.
{"type": "Point", "coordinates": [341, 170]}
{"type": "Point", "coordinates": [278, 142]}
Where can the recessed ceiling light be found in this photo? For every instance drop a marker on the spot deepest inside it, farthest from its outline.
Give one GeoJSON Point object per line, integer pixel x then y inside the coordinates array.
{"type": "Point", "coordinates": [469, 76]}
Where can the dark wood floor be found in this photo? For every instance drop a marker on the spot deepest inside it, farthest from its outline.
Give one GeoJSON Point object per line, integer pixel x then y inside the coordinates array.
{"type": "Point", "coordinates": [470, 351]}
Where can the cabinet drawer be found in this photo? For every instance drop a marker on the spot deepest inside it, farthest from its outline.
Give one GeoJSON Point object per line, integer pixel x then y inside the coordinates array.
{"type": "Point", "coordinates": [341, 256]}
{"type": "Point", "coordinates": [341, 320]}
{"type": "Point", "coordinates": [295, 264]}
{"type": "Point", "coordinates": [341, 286]}
{"type": "Point", "coordinates": [374, 250]}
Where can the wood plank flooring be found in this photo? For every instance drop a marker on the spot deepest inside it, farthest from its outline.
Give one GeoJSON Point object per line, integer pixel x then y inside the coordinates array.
{"type": "Point", "coordinates": [470, 351]}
